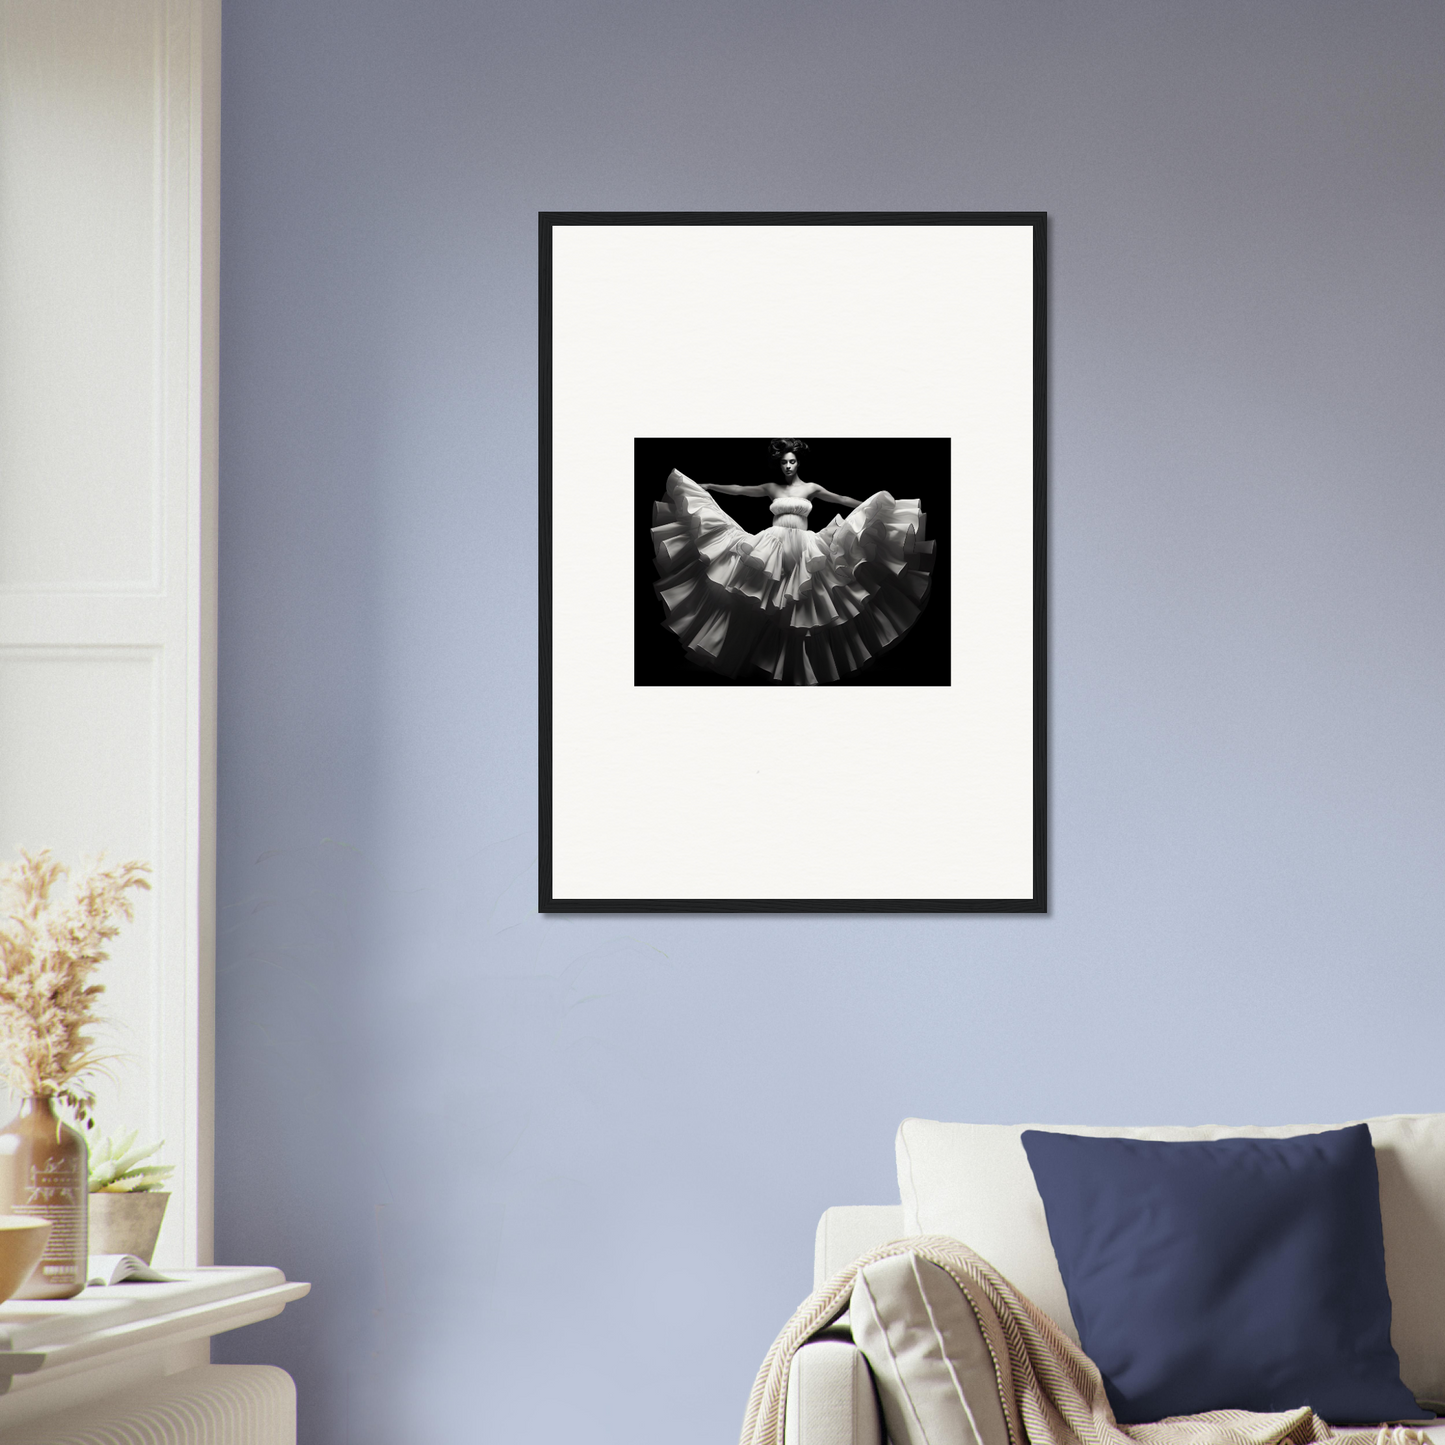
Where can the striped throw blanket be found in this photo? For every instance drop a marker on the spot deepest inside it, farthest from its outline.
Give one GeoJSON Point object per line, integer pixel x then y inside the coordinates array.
{"type": "Point", "coordinates": [1051, 1392]}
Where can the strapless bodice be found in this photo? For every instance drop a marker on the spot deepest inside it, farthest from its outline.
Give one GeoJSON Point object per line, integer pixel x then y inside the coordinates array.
{"type": "Point", "coordinates": [791, 511]}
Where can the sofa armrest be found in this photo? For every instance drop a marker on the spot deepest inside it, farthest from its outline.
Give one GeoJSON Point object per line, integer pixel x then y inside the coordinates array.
{"type": "Point", "coordinates": [830, 1397]}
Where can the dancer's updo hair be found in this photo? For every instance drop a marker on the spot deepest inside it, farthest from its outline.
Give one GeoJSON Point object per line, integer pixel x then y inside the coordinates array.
{"type": "Point", "coordinates": [781, 446]}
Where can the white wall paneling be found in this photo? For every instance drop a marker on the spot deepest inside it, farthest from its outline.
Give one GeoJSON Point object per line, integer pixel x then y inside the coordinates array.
{"type": "Point", "coordinates": [109, 156]}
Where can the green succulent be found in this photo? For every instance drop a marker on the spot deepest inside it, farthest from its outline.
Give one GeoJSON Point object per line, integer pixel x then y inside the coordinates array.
{"type": "Point", "coordinates": [116, 1168]}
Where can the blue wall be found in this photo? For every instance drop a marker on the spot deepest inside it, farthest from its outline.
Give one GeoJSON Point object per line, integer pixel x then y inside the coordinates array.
{"type": "Point", "coordinates": [556, 1179]}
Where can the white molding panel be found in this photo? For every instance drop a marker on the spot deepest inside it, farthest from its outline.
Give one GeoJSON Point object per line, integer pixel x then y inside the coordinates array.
{"type": "Point", "coordinates": [109, 162]}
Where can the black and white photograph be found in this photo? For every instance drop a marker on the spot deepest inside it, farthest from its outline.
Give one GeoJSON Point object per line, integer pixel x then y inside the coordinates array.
{"type": "Point", "coordinates": [792, 561]}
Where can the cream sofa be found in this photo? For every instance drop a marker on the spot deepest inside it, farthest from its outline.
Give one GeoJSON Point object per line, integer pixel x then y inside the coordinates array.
{"type": "Point", "coordinates": [972, 1181]}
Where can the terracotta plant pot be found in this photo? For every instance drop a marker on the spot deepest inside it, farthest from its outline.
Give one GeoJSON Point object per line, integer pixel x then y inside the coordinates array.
{"type": "Point", "coordinates": [126, 1223]}
{"type": "Point", "coordinates": [22, 1242]}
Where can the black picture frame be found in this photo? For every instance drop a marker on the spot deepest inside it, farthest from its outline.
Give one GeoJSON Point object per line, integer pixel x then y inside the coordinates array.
{"type": "Point", "coordinates": [581, 468]}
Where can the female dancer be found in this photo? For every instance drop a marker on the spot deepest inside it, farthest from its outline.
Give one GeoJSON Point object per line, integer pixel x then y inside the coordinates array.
{"type": "Point", "coordinates": [805, 607]}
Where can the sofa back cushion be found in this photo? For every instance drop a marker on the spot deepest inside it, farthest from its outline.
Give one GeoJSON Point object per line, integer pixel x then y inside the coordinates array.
{"type": "Point", "coordinates": [847, 1231]}
{"type": "Point", "coordinates": [932, 1367]}
{"type": "Point", "coordinates": [973, 1181]}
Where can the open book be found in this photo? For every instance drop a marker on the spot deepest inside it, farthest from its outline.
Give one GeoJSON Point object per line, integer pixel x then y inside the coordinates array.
{"type": "Point", "coordinates": [121, 1269]}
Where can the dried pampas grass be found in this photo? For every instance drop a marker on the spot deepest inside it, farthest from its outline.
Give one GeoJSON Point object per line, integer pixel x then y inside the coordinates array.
{"type": "Point", "coordinates": [49, 947]}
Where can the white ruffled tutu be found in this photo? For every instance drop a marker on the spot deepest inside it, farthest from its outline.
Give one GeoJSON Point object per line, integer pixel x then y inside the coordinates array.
{"type": "Point", "coordinates": [805, 607]}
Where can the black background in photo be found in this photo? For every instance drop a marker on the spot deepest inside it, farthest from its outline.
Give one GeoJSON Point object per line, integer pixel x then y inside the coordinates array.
{"type": "Point", "coordinates": [851, 467]}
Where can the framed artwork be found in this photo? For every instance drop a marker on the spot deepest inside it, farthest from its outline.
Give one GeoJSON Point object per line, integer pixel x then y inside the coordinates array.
{"type": "Point", "coordinates": [792, 476]}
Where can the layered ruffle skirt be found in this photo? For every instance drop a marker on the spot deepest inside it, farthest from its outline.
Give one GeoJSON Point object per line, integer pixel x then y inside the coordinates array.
{"type": "Point", "coordinates": [805, 607]}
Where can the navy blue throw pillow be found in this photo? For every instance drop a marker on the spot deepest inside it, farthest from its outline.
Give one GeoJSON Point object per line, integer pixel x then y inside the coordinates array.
{"type": "Point", "coordinates": [1221, 1274]}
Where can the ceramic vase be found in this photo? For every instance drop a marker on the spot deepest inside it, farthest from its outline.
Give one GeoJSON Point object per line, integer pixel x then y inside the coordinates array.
{"type": "Point", "coordinates": [44, 1174]}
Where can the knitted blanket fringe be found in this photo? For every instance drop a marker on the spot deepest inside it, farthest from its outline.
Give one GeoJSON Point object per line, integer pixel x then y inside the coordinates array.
{"type": "Point", "coordinates": [1050, 1391]}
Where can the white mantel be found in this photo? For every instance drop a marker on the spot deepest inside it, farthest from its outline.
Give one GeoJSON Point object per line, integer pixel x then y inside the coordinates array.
{"type": "Point", "coordinates": [56, 1354]}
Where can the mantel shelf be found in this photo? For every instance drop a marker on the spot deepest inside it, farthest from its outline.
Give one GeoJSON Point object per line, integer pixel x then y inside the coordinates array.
{"type": "Point", "coordinates": [105, 1325]}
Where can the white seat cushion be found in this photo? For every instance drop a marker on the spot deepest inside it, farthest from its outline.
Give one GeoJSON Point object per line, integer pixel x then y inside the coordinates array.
{"type": "Point", "coordinates": [973, 1181]}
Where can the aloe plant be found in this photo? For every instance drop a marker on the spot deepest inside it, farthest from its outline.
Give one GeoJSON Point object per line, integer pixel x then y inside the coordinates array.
{"type": "Point", "coordinates": [116, 1167]}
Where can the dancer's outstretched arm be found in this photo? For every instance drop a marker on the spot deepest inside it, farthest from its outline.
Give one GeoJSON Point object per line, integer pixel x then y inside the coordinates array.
{"type": "Point", "coordinates": [735, 491]}
{"type": "Point", "coordinates": [833, 497]}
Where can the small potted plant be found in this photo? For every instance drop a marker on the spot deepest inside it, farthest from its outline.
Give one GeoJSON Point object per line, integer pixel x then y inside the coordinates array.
{"type": "Point", "coordinates": [127, 1202]}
